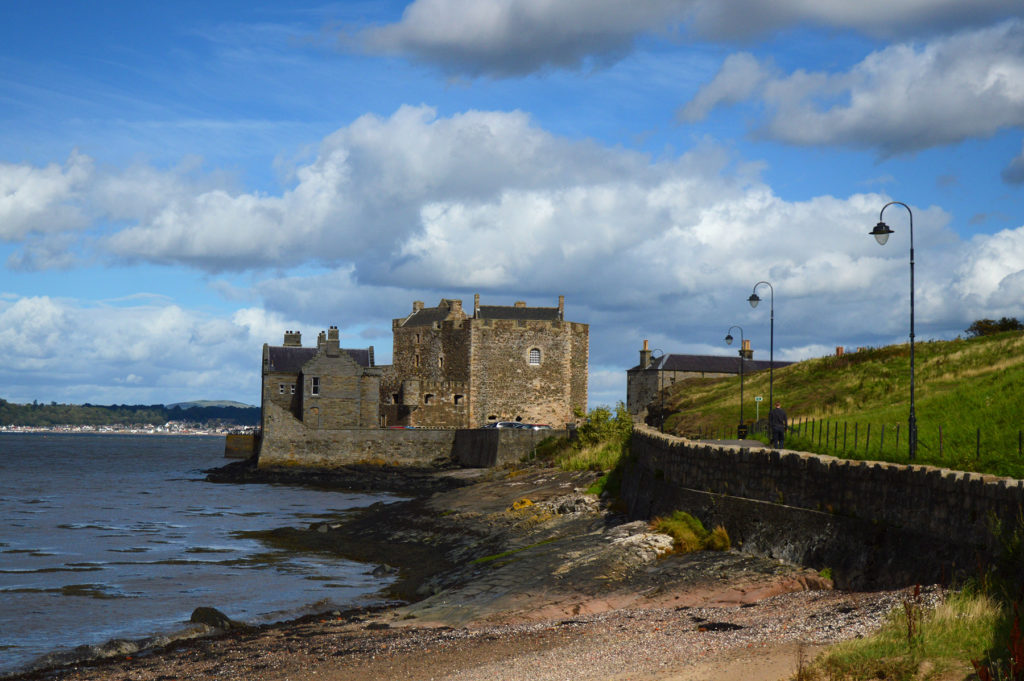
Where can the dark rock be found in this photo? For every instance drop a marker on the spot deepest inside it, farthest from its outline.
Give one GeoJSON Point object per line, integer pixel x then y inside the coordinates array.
{"type": "Point", "coordinates": [212, 617]}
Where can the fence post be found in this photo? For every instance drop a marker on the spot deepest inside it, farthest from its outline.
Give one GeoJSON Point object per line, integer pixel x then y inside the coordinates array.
{"type": "Point", "coordinates": [977, 450]}
{"type": "Point", "coordinates": [867, 440]}
{"type": "Point", "coordinates": [881, 442]}
{"type": "Point", "coordinates": [940, 443]}
{"type": "Point", "coordinates": [854, 436]}
{"type": "Point", "coordinates": [845, 424]}
{"type": "Point", "coordinates": [835, 436]}
{"type": "Point", "coordinates": [898, 440]}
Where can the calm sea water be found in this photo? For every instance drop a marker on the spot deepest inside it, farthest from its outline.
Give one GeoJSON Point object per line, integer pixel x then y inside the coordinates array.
{"type": "Point", "coordinates": [119, 536]}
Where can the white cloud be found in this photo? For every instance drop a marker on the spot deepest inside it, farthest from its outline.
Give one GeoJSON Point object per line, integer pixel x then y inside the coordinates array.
{"type": "Point", "coordinates": [991, 274]}
{"type": "Point", "coordinates": [42, 200]}
{"type": "Point", "coordinates": [902, 98]}
{"type": "Point", "coordinates": [65, 350]}
{"type": "Point", "coordinates": [505, 38]}
{"type": "Point", "coordinates": [516, 37]}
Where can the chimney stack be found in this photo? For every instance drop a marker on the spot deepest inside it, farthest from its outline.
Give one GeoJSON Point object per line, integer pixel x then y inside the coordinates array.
{"type": "Point", "coordinates": [645, 356]}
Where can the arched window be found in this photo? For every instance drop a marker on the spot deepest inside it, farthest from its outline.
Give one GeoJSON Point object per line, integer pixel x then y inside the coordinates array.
{"type": "Point", "coordinates": [535, 356]}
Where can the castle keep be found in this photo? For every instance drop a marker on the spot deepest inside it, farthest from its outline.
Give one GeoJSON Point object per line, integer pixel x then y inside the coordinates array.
{"type": "Point", "coordinates": [463, 369]}
{"type": "Point", "coordinates": [452, 368]}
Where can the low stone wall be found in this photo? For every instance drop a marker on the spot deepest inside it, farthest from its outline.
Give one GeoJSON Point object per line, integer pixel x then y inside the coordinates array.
{"type": "Point", "coordinates": [487, 447]}
{"type": "Point", "coordinates": [287, 442]}
{"type": "Point", "coordinates": [873, 522]}
{"type": "Point", "coordinates": [240, 445]}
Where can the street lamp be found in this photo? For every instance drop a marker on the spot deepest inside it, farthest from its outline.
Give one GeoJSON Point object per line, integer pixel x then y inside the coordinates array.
{"type": "Point", "coordinates": [881, 233]}
{"type": "Point", "coordinates": [743, 355]}
{"type": "Point", "coordinates": [754, 300]}
{"type": "Point", "coordinates": [661, 386]}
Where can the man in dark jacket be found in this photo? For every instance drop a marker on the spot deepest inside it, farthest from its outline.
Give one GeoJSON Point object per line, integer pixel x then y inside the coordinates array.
{"type": "Point", "coordinates": [777, 422]}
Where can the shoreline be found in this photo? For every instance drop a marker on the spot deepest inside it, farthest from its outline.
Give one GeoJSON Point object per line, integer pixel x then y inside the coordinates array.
{"type": "Point", "coordinates": [502, 567]}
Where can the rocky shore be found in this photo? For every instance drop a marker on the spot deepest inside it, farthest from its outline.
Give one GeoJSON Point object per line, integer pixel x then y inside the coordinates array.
{"type": "Point", "coordinates": [518, 574]}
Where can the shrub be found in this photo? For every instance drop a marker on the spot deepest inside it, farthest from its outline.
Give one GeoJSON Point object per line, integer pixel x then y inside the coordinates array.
{"type": "Point", "coordinates": [688, 533]}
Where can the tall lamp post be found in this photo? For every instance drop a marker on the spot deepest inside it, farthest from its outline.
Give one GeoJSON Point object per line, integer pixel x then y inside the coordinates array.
{"type": "Point", "coordinates": [881, 233]}
{"type": "Point", "coordinates": [754, 300]}
{"type": "Point", "coordinates": [743, 355]}
{"type": "Point", "coordinates": [661, 386]}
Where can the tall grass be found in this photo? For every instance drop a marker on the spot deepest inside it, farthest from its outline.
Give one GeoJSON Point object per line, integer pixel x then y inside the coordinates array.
{"type": "Point", "coordinates": [964, 627]}
{"type": "Point", "coordinates": [961, 386]}
{"type": "Point", "coordinates": [600, 444]}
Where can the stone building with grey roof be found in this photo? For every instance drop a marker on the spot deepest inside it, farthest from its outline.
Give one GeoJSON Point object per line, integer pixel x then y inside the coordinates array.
{"type": "Point", "coordinates": [461, 368]}
{"type": "Point", "coordinates": [452, 368]}
{"type": "Point", "coordinates": [649, 381]}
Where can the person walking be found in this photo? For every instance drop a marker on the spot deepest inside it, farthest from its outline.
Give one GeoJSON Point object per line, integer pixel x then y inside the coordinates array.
{"type": "Point", "coordinates": [777, 423]}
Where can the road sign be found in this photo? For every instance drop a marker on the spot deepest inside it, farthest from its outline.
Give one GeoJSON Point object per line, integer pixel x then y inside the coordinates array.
{"type": "Point", "coordinates": [758, 398]}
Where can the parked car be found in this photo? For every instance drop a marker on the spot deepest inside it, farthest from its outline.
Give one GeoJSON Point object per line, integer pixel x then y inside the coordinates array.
{"type": "Point", "coordinates": [501, 424]}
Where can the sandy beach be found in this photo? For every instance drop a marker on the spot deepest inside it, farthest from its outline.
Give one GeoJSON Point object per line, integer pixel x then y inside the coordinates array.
{"type": "Point", "coordinates": [518, 575]}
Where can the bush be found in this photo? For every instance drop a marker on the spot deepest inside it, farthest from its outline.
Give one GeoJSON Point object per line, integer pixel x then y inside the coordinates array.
{"type": "Point", "coordinates": [688, 533]}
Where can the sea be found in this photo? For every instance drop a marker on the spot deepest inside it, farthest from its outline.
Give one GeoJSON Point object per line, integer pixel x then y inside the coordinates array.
{"type": "Point", "coordinates": [120, 537]}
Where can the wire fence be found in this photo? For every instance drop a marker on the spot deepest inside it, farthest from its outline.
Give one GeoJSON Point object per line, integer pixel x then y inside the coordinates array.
{"type": "Point", "coordinates": [976, 448]}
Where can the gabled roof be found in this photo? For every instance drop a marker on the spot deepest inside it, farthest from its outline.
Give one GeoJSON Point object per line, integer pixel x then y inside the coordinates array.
{"type": "Point", "coordinates": [511, 312]}
{"type": "Point", "coordinates": [289, 359]}
{"type": "Point", "coordinates": [712, 364]}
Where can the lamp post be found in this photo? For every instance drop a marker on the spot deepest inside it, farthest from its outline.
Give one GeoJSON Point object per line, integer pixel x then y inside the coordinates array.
{"type": "Point", "coordinates": [881, 233]}
{"type": "Point", "coordinates": [743, 355]}
{"type": "Point", "coordinates": [661, 386]}
{"type": "Point", "coordinates": [754, 300]}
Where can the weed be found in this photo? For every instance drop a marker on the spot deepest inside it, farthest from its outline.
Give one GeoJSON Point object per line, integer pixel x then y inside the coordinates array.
{"type": "Point", "coordinates": [688, 533]}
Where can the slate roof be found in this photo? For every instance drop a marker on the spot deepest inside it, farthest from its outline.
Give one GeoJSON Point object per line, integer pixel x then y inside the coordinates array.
{"type": "Point", "coordinates": [510, 312]}
{"type": "Point", "coordinates": [289, 359]}
{"type": "Point", "coordinates": [712, 364]}
{"type": "Point", "coordinates": [426, 317]}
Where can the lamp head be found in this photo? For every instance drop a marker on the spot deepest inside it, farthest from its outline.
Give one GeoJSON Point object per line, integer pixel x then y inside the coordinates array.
{"type": "Point", "coordinates": [881, 233]}
{"type": "Point", "coordinates": [728, 339]}
{"type": "Point", "coordinates": [753, 300]}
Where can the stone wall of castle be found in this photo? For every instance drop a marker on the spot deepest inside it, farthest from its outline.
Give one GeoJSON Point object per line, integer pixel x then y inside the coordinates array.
{"type": "Point", "coordinates": [508, 386]}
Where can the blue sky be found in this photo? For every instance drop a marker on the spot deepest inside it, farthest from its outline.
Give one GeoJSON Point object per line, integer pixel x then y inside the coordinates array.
{"type": "Point", "coordinates": [182, 182]}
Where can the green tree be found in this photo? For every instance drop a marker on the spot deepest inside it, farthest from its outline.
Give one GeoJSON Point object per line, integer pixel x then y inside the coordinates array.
{"type": "Point", "coordinates": [988, 327]}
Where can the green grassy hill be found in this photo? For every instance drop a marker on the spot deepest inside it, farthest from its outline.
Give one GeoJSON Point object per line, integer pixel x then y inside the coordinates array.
{"type": "Point", "coordinates": [966, 391]}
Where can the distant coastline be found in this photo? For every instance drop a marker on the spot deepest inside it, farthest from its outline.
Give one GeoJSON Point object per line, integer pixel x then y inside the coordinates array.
{"type": "Point", "coordinates": [168, 429]}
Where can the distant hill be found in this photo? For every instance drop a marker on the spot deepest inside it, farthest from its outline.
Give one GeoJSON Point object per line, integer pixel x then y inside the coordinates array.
{"type": "Point", "coordinates": [210, 403]}
{"type": "Point", "coordinates": [53, 414]}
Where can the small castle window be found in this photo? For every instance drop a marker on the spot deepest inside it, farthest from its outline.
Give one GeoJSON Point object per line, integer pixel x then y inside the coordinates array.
{"type": "Point", "coordinates": [535, 356]}
{"type": "Point", "coordinates": [314, 386]}
{"type": "Point", "coordinates": [440, 362]}
{"type": "Point", "coordinates": [293, 389]}
{"type": "Point", "coordinates": [416, 361]}
{"type": "Point", "coordinates": [417, 338]}
{"type": "Point", "coordinates": [428, 398]}
{"type": "Point", "coordinates": [280, 388]}
{"type": "Point", "coordinates": [458, 399]}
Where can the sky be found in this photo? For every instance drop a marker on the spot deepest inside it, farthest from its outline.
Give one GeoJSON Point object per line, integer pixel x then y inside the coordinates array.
{"type": "Point", "coordinates": [182, 182]}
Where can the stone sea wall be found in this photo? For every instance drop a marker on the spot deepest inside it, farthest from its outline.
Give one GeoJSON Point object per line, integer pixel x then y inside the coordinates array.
{"type": "Point", "coordinates": [872, 522]}
{"type": "Point", "coordinates": [287, 442]}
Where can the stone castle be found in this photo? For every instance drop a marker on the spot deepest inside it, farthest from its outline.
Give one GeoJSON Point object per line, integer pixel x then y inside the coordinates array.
{"type": "Point", "coordinates": [451, 368]}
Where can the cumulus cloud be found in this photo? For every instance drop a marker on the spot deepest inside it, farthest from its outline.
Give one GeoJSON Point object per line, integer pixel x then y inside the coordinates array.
{"type": "Point", "coordinates": [42, 200]}
{"type": "Point", "coordinates": [516, 37]}
{"type": "Point", "coordinates": [899, 99]}
{"type": "Point", "coordinates": [144, 352]}
{"type": "Point", "coordinates": [505, 38]}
